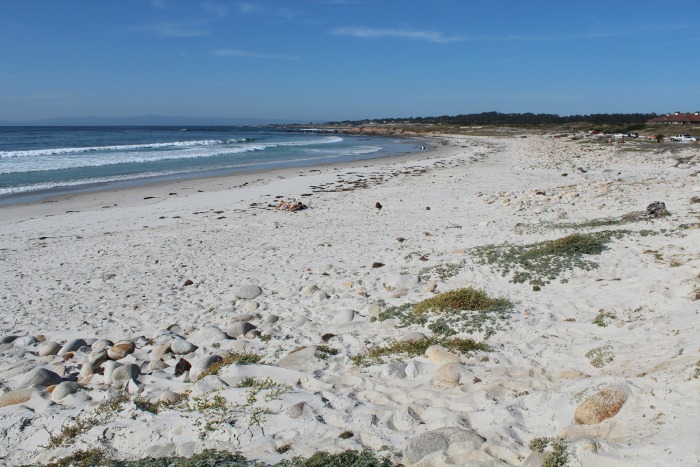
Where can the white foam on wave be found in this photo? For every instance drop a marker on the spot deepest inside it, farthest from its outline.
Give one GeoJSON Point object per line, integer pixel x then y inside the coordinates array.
{"type": "Point", "coordinates": [240, 167]}
{"type": "Point", "coordinates": [123, 147]}
{"type": "Point", "coordinates": [63, 161]}
{"type": "Point", "coordinates": [131, 147]}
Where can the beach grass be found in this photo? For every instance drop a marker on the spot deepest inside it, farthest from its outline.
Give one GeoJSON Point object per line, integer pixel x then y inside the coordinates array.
{"type": "Point", "coordinates": [466, 310]}
{"type": "Point", "coordinates": [211, 458]}
{"type": "Point", "coordinates": [541, 263]}
{"type": "Point", "coordinates": [417, 347]}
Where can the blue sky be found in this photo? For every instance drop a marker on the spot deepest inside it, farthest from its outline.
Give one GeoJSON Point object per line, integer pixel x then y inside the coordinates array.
{"type": "Point", "coordinates": [346, 59]}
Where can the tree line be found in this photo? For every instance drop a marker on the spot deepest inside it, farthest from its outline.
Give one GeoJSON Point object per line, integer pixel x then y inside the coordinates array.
{"type": "Point", "coordinates": [497, 118]}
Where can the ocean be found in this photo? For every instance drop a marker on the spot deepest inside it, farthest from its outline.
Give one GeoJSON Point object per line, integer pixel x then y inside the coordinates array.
{"type": "Point", "coordinates": [39, 162]}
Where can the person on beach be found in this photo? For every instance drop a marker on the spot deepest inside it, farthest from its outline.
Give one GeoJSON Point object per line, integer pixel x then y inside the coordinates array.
{"type": "Point", "coordinates": [290, 205]}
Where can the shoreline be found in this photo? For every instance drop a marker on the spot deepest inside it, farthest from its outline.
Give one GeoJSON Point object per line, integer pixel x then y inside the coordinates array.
{"type": "Point", "coordinates": [48, 196]}
{"type": "Point", "coordinates": [134, 195]}
{"type": "Point", "coordinates": [109, 294]}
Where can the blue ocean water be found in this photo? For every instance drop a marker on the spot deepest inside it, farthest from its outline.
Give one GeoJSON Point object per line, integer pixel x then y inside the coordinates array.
{"type": "Point", "coordinates": [36, 161]}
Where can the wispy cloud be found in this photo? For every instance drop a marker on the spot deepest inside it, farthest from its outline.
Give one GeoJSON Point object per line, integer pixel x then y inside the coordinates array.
{"type": "Point", "coordinates": [160, 4]}
{"type": "Point", "coordinates": [246, 54]}
{"type": "Point", "coordinates": [364, 32]}
{"type": "Point", "coordinates": [413, 34]}
{"type": "Point", "coordinates": [174, 29]}
{"type": "Point", "coordinates": [220, 10]}
{"type": "Point", "coordinates": [257, 8]}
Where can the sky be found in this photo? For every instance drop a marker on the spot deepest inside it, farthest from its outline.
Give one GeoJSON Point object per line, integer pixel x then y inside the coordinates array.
{"type": "Point", "coordinates": [321, 60]}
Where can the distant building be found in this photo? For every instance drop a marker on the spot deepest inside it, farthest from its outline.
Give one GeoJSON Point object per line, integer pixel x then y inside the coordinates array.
{"type": "Point", "coordinates": [677, 118]}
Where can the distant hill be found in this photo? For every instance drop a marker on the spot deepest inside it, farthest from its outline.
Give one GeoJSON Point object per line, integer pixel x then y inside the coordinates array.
{"type": "Point", "coordinates": [145, 120]}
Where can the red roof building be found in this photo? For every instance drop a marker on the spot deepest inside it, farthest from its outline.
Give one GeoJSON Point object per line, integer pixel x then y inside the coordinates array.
{"type": "Point", "coordinates": [677, 118]}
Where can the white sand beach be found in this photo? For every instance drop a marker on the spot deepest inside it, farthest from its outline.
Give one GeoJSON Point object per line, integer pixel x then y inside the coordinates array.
{"type": "Point", "coordinates": [104, 294]}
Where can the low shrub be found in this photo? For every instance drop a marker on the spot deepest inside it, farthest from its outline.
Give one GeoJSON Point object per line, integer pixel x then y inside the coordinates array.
{"type": "Point", "coordinates": [414, 348]}
{"type": "Point", "coordinates": [540, 263]}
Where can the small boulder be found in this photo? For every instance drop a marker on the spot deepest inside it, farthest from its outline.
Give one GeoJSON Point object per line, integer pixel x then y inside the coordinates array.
{"type": "Point", "coordinates": [158, 451]}
{"type": "Point", "coordinates": [404, 281]}
{"type": "Point", "coordinates": [393, 370]}
{"type": "Point", "coordinates": [605, 404]}
{"type": "Point", "coordinates": [8, 339]}
{"type": "Point", "coordinates": [159, 351]}
{"type": "Point", "coordinates": [209, 384]}
{"type": "Point", "coordinates": [343, 316]}
{"type": "Point", "coordinates": [169, 397]}
{"type": "Point", "coordinates": [101, 344]}
{"type": "Point", "coordinates": [440, 440]}
{"type": "Point", "coordinates": [247, 291]}
{"type": "Point", "coordinates": [25, 341]}
{"type": "Point", "coordinates": [108, 368]}
{"type": "Point", "coordinates": [125, 373]}
{"type": "Point", "coordinates": [448, 375]}
{"type": "Point", "coordinates": [64, 389]}
{"type": "Point", "coordinates": [98, 357]}
{"type": "Point", "coordinates": [296, 410]}
{"type": "Point", "coordinates": [319, 297]}
{"type": "Point", "coordinates": [656, 209]}
{"type": "Point", "coordinates": [200, 365]}
{"type": "Point", "coordinates": [299, 359]}
{"type": "Point", "coordinates": [156, 365]}
{"type": "Point", "coordinates": [49, 348]}
{"type": "Point", "coordinates": [250, 306]}
{"type": "Point", "coordinates": [440, 355]}
{"type": "Point", "coordinates": [207, 336]}
{"type": "Point", "coordinates": [414, 337]}
{"type": "Point", "coordinates": [239, 328]}
{"type": "Point", "coordinates": [71, 346]}
{"type": "Point", "coordinates": [121, 350]}
{"type": "Point", "coordinates": [182, 366]}
{"type": "Point", "coordinates": [182, 347]}
{"type": "Point", "coordinates": [271, 319]}
{"type": "Point", "coordinates": [18, 396]}
{"type": "Point", "coordinates": [40, 377]}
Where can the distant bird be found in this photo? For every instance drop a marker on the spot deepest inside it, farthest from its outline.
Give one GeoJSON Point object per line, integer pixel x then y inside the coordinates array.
{"type": "Point", "coordinates": [378, 205]}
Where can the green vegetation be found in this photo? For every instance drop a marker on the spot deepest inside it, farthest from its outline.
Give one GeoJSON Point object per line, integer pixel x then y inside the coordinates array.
{"type": "Point", "coordinates": [602, 318]}
{"type": "Point", "coordinates": [600, 356]}
{"type": "Point", "coordinates": [347, 458]}
{"type": "Point", "coordinates": [216, 411]}
{"type": "Point", "coordinates": [231, 359]}
{"type": "Point", "coordinates": [414, 348]}
{"type": "Point", "coordinates": [497, 118]}
{"type": "Point", "coordinates": [540, 263]}
{"type": "Point", "coordinates": [559, 455]}
{"type": "Point", "coordinates": [441, 271]}
{"type": "Point", "coordinates": [145, 405]}
{"type": "Point", "coordinates": [323, 351]}
{"type": "Point", "coordinates": [207, 458]}
{"type": "Point", "coordinates": [461, 299]}
{"type": "Point", "coordinates": [463, 310]}
{"type": "Point", "coordinates": [539, 444]}
{"type": "Point", "coordinates": [83, 422]}
{"type": "Point", "coordinates": [82, 459]}
{"type": "Point", "coordinates": [213, 408]}
{"type": "Point", "coordinates": [212, 458]}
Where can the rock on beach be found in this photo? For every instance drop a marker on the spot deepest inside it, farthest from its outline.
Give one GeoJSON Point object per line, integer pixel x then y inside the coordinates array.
{"type": "Point", "coordinates": [440, 440]}
{"type": "Point", "coordinates": [40, 377]}
{"type": "Point", "coordinates": [247, 291]}
{"type": "Point", "coordinates": [602, 405]}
